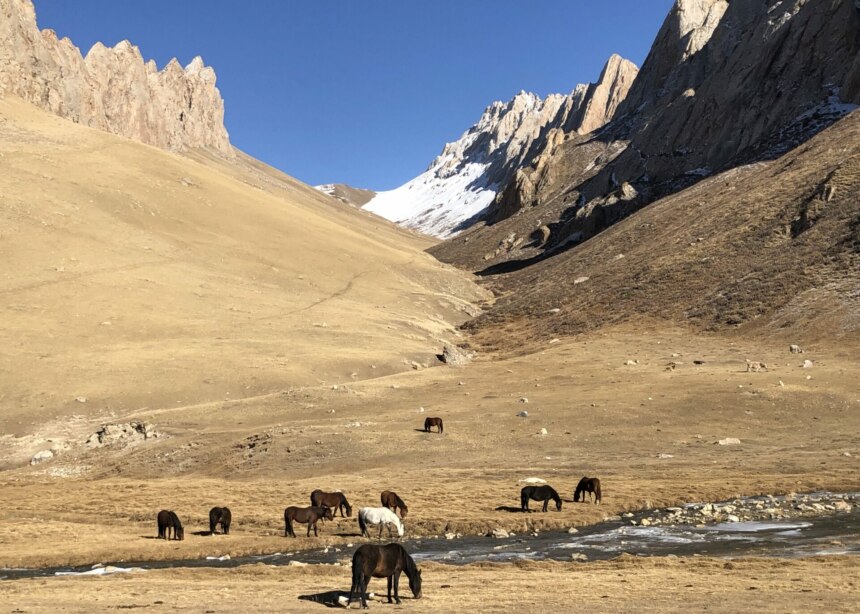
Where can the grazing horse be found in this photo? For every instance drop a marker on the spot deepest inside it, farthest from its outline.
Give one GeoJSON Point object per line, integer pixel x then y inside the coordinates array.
{"type": "Point", "coordinates": [309, 515]}
{"type": "Point", "coordinates": [381, 516]}
{"type": "Point", "coordinates": [334, 500]}
{"type": "Point", "coordinates": [430, 422]}
{"type": "Point", "coordinates": [590, 486]}
{"type": "Point", "coordinates": [393, 502]}
{"type": "Point", "coordinates": [539, 493]}
{"type": "Point", "coordinates": [168, 520]}
{"type": "Point", "coordinates": [372, 561]}
{"type": "Point", "coordinates": [222, 516]}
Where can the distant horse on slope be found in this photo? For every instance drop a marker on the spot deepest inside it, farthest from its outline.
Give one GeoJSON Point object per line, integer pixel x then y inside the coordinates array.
{"type": "Point", "coordinates": [431, 422]}
{"type": "Point", "coordinates": [222, 516]}
{"type": "Point", "coordinates": [309, 515]}
{"type": "Point", "coordinates": [168, 520]}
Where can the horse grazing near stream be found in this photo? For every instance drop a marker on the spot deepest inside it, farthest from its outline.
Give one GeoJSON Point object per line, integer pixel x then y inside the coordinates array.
{"type": "Point", "coordinates": [309, 515]}
{"type": "Point", "coordinates": [381, 516]}
{"type": "Point", "coordinates": [372, 561]}
{"type": "Point", "coordinates": [167, 520]}
{"type": "Point", "coordinates": [590, 486]}
{"type": "Point", "coordinates": [222, 516]}
{"type": "Point", "coordinates": [394, 502]}
{"type": "Point", "coordinates": [334, 500]}
{"type": "Point", "coordinates": [431, 422]}
{"type": "Point", "coordinates": [543, 493]}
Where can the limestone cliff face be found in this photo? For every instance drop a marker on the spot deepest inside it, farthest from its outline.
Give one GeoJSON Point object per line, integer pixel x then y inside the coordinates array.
{"type": "Point", "coordinates": [111, 89]}
{"type": "Point", "coordinates": [461, 184]}
{"type": "Point", "coordinates": [725, 84]}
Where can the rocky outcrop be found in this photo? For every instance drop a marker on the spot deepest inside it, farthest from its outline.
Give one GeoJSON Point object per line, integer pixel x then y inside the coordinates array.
{"type": "Point", "coordinates": [111, 88]}
{"type": "Point", "coordinates": [122, 435]}
{"type": "Point", "coordinates": [348, 195]}
{"type": "Point", "coordinates": [465, 179]}
{"type": "Point", "coordinates": [725, 84]}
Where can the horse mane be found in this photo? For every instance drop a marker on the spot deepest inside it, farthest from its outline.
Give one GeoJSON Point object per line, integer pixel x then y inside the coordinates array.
{"type": "Point", "coordinates": [409, 565]}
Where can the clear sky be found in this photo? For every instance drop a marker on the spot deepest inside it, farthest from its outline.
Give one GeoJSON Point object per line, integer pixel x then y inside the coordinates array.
{"type": "Point", "coordinates": [367, 92]}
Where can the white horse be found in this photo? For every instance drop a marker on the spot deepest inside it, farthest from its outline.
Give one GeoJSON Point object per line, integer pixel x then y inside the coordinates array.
{"type": "Point", "coordinates": [381, 516]}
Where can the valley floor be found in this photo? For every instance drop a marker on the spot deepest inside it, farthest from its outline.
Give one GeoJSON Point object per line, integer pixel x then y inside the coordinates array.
{"type": "Point", "coordinates": [649, 431]}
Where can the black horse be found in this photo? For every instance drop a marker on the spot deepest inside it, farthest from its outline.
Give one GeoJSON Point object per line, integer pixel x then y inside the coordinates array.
{"type": "Point", "coordinates": [334, 500]}
{"type": "Point", "coordinates": [309, 515]}
{"type": "Point", "coordinates": [431, 422]}
{"type": "Point", "coordinates": [222, 516]}
{"type": "Point", "coordinates": [590, 486]}
{"type": "Point", "coordinates": [168, 520]}
{"type": "Point", "coordinates": [371, 561]}
{"type": "Point", "coordinates": [539, 493]}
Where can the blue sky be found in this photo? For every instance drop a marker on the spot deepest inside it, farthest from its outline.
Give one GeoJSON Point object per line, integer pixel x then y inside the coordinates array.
{"type": "Point", "coordinates": [367, 92]}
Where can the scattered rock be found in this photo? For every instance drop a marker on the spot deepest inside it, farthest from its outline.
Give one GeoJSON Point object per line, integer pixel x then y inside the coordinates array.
{"type": "Point", "coordinates": [580, 280]}
{"type": "Point", "coordinates": [732, 518]}
{"type": "Point", "coordinates": [499, 533]}
{"type": "Point", "coordinates": [756, 367]}
{"type": "Point", "coordinates": [842, 506]}
{"type": "Point", "coordinates": [543, 432]}
{"type": "Point", "coordinates": [663, 455]}
{"type": "Point", "coordinates": [296, 564]}
{"type": "Point", "coordinates": [554, 341]}
{"type": "Point", "coordinates": [573, 530]}
{"type": "Point", "coordinates": [41, 457]}
{"type": "Point", "coordinates": [523, 414]}
{"type": "Point", "coordinates": [631, 363]}
{"type": "Point", "coordinates": [645, 522]}
{"type": "Point", "coordinates": [456, 356]}
{"type": "Point", "coordinates": [81, 399]}
{"type": "Point", "coordinates": [450, 535]}
{"type": "Point", "coordinates": [578, 556]}
{"type": "Point", "coordinates": [729, 441]}
{"type": "Point", "coordinates": [523, 400]}
{"type": "Point", "coordinates": [807, 364]}
{"type": "Point", "coordinates": [795, 349]}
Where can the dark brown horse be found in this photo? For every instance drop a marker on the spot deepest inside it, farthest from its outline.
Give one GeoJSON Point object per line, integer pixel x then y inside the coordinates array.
{"type": "Point", "coordinates": [393, 502]}
{"type": "Point", "coordinates": [308, 515]}
{"type": "Point", "coordinates": [430, 422]}
{"type": "Point", "coordinates": [334, 500]}
{"type": "Point", "coordinates": [371, 561]}
{"type": "Point", "coordinates": [543, 493]}
{"type": "Point", "coordinates": [222, 516]}
{"type": "Point", "coordinates": [590, 486]}
{"type": "Point", "coordinates": [168, 520]}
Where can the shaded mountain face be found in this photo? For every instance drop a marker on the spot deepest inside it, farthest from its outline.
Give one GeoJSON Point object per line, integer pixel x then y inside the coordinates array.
{"type": "Point", "coordinates": [725, 84]}
{"type": "Point", "coordinates": [111, 89]}
{"type": "Point", "coordinates": [462, 183]}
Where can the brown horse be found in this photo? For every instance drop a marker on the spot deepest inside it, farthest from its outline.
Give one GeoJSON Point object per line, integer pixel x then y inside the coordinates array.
{"type": "Point", "coordinates": [222, 516]}
{"type": "Point", "coordinates": [393, 502]}
{"type": "Point", "coordinates": [334, 500]}
{"type": "Point", "coordinates": [590, 486]}
{"type": "Point", "coordinates": [309, 515]}
{"type": "Point", "coordinates": [371, 561]}
{"type": "Point", "coordinates": [430, 422]}
{"type": "Point", "coordinates": [168, 520]}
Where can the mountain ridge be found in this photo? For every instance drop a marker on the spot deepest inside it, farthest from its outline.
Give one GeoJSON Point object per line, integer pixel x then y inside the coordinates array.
{"type": "Point", "coordinates": [111, 88]}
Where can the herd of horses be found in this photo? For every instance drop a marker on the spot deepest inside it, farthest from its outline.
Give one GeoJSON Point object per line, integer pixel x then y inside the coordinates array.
{"type": "Point", "coordinates": [371, 560]}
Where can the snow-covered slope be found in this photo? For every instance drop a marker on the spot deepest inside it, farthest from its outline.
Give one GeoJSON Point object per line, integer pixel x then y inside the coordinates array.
{"type": "Point", "coordinates": [464, 180]}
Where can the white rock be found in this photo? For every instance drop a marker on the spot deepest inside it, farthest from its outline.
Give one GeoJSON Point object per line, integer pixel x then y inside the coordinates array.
{"type": "Point", "coordinates": [573, 530]}
{"type": "Point", "coordinates": [450, 535]}
{"type": "Point", "coordinates": [732, 518]}
{"type": "Point", "coordinates": [523, 414]}
{"type": "Point", "coordinates": [807, 364]}
{"type": "Point", "coordinates": [41, 457]}
{"type": "Point", "coordinates": [523, 400]}
{"type": "Point", "coordinates": [543, 432]}
{"type": "Point", "coordinates": [500, 533]}
{"type": "Point", "coordinates": [664, 455]}
{"type": "Point", "coordinates": [580, 280]}
{"type": "Point", "coordinates": [795, 349]}
{"type": "Point", "coordinates": [578, 556]}
{"type": "Point", "coordinates": [296, 564]}
{"type": "Point", "coordinates": [645, 522]}
{"type": "Point", "coordinates": [729, 441]}
{"type": "Point", "coordinates": [81, 399]}
{"type": "Point", "coordinates": [631, 363]}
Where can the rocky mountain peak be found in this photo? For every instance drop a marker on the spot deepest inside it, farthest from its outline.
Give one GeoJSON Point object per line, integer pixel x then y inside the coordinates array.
{"type": "Point", "coordinates": [111, 88]}
{"type": "Point", "coordinates": [463, 181]}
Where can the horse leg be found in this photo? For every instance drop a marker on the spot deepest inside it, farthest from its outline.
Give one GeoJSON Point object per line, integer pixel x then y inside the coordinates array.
{"type": "Point", "coordinates": [381, 526]}
{"type": "Point", "coordinates": [390, 583]}
{"type": "Point", "coordinates": [545, 504]}
{"type": "Point", "coordinates": [397, 587]}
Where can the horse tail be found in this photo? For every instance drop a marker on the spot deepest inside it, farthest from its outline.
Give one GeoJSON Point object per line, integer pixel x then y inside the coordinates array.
{"type": "Point", "coordinates": [362, 524]}
{"type": "Point", "coordinates": [357, 575]}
